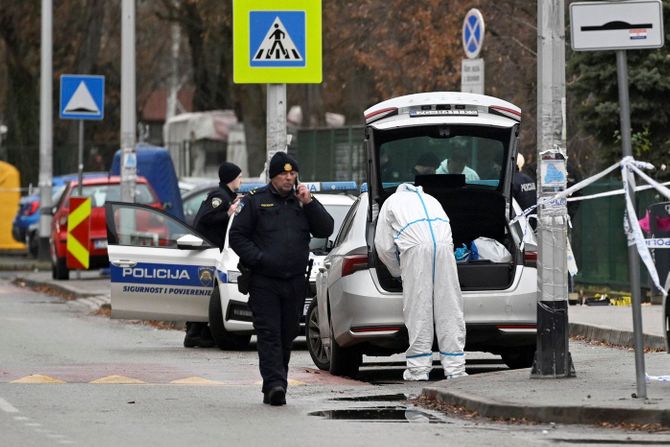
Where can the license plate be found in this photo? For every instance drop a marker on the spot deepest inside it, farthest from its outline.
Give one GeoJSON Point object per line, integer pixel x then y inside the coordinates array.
{"type": "Point", "coordinates": [100, 243]}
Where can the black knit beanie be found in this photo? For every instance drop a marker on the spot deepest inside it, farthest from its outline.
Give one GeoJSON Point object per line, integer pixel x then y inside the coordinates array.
{"type": "Point", "coordinates": [282, 162]}
{"type": "Point", "coordinates": [228, 172]}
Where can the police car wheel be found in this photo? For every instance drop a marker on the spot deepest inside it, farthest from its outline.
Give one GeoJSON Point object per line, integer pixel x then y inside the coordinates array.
{"type": "Point", "coordinates": [224, 339]}
{"type": "Point", "coordinates": [59, 269]}
{"type": "Point", "coordinates": [518, 358]}
{"type": "Point", "coordinates": [344, 361]}
{"type": "Point", "coordinates": [313, 335]}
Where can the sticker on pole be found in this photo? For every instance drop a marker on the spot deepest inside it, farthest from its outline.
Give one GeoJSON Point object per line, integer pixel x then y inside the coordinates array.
{"type": "Point", "coordinates": [554, 174]}
{"type": "Point", "coordinates": [278, 47]}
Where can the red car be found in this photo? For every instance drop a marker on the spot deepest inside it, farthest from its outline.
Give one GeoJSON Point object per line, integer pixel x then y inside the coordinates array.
{"type": "Point", "coordinates": [99, 190]}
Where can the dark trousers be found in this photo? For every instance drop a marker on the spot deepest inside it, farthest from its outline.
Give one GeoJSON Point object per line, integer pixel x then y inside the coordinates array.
{"type": "Point", "coordinates": [277, 305]}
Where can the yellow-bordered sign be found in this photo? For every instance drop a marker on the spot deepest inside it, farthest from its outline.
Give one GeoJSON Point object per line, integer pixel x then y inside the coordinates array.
{"type": "Point", "coordinates": [277, 41]}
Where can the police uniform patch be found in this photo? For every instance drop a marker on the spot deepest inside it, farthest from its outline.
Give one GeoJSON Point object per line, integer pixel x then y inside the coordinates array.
{"type": "Point", "coordinates": [216, 202]}
{"type": "Point", "coordinates": [239, 207]}
{"type": "Point", "coordinates": [267, 205]}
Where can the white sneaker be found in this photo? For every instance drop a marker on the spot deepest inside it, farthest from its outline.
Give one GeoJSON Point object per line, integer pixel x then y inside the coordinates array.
{"type": "Point", "coordinates": [455, 376]}
{"type": "Point", "coordinates": [409, 376]}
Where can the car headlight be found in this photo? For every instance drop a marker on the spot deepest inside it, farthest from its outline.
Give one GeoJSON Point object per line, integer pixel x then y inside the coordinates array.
{"type": "Point", "coordinates": [232, 276]}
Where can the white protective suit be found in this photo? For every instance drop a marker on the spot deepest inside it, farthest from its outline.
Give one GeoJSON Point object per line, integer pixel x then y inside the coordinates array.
{"type": "Point", "coordinates": [413, 239]}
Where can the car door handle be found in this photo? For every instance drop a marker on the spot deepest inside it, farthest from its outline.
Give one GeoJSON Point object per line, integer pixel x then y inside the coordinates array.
{"type": "Point", "coordinates": [124, 263]}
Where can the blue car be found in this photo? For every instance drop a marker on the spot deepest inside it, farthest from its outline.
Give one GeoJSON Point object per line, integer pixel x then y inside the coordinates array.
{"type": "Point", "coordinates": [25, 224]}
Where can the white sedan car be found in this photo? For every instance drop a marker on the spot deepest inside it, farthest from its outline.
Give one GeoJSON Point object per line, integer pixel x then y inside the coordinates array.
{"type": "Point", "coordinates": [162, 269]}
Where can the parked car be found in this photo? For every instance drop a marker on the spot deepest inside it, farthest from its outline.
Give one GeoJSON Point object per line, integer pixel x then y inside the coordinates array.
{"type": "Point", "coordinates": [358, 308]}
{"type": "Point", "coordinates": [192, 199]}
{"type": "Point", "coordinates": [182, 277]}
{"type": "Point", "coordinates": [25, 224]}
{"type": "Point", "coordinates": [99, 190]}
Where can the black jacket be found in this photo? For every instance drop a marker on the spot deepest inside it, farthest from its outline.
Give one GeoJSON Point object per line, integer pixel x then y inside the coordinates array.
{"type": "Point", "coordinates": [212, 218]}
{"type": "Point", "coordinates": [524, 190]}
{"type": "Point", "coordinates": [271, 233]}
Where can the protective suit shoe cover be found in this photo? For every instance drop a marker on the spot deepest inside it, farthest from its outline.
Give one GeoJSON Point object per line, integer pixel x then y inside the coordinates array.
{"type": "Point", "coordinates": [414, 377]}
{"type": "Point", "coordinates": [455, 376]}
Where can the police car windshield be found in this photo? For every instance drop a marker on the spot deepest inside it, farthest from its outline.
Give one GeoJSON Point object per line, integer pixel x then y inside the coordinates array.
{"type": "Point", "coordinates": [99, 194]}
{"type": "Point", "coordinates": [338, 212]}
{"type": "Point", "coordinates": [479, 153]}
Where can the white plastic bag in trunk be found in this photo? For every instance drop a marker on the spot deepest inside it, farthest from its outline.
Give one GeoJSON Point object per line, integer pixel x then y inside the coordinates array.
{"type": "Point", "coordinates": [492, 250]}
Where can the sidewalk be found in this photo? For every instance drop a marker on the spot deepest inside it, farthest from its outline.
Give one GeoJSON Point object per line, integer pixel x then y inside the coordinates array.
{"type": "Point", "coordinates": [601, 392]}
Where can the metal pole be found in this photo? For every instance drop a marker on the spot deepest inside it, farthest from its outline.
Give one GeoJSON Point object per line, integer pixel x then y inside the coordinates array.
{"type": "Point", "coordinates": [80, 165]}
{"type": "Point", "coordinates": [276, 122]}
{"type": "Point", "coordinates": [633, 260]}
{"type": "Point", "coordinates": [128, 120]}
{"type": "Point", "coordinates": [552, 357]}
{"type": "Point", "coordinates": [46, 129]}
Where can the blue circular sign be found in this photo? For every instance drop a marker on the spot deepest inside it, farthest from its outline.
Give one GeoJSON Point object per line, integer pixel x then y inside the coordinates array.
{"type": "Point", "coordinates": [473, 33]}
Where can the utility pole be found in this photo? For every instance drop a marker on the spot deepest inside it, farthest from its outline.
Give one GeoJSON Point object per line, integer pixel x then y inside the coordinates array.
{"type": "Point", "coordinates": [46, 129]}
{"type": "Point", "coordinates": [128, 120]}
{"type": "Point", "coordinates": [552, 358]}
{"type": "Point", "coordinates": [276, 122]}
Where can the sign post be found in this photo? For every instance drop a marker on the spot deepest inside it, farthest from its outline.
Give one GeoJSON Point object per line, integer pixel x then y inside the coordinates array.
{"type": "Point", "coordinates": [277, 42]}
{"type": "Point", "coordinates": [472, 68]}
{"type": "Point", "coordinates": [82, 97]}
{"type": "Point", "coordinates": [622, 26]}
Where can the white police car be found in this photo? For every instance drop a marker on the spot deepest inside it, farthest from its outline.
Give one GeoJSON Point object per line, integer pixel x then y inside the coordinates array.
{"type": "Point", "coordinates": [162, 269]}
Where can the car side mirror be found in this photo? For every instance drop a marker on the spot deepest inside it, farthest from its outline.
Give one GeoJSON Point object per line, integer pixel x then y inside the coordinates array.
{"type": "Point", "coordinates": [190, 242]}
{"type": "Point", "coordinates": [330, 244]}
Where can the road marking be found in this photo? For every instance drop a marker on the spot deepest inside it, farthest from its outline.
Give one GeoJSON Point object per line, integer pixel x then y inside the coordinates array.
{"type": "Point", "coordinates": [7, 407]}
{"type": "Point", "coordinates": [196, 381]}
{"type": "Point", "coordinates": [21, 418]}
{"type": "Point", "coordinates": [114, 379]}
{"type": "Point", "coordinates": [290, 382]}
{"type": "Point", "coordinates": [37, 378]}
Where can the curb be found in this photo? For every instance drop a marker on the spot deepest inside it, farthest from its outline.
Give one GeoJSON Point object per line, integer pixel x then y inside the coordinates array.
{"type": "Point", "coordinates": [568, 414]}
{"type": "Point", "coordinates": [76, 294]}
{"type": "Point", "coordinates": [615, 337]}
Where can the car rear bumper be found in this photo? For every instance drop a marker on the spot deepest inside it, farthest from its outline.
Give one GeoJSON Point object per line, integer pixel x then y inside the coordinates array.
{"type": "Point", "coordinates": [237, 315]}
{"type": "Point", "coordinates": [362, 313]}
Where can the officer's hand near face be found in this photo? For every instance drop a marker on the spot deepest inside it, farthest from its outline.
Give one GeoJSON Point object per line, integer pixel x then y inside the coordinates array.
{"type": "Point", "coordinates": [303, 194]}
{"type": "Point", "coordinates": [233, 207]}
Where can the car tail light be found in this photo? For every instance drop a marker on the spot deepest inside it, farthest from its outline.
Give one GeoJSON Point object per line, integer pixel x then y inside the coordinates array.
{"type": "Point", "coordinates": [32, 209]}
{"type": "Point", "coordinates": [352, 264]}
{"type": "Point", "coordinates": [530, 258]}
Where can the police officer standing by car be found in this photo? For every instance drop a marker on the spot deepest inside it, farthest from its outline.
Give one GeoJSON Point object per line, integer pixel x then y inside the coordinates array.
{"type": "Point", "coordinates": [271, 234]}
{"type": "Point", "coordinates": [212, 222]}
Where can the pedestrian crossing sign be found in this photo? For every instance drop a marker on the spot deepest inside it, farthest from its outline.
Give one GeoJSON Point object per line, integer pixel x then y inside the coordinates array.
{"type": "Point", "coordinates": [82, 97]}
{"type": "Point", "coordinates": [277, 41]}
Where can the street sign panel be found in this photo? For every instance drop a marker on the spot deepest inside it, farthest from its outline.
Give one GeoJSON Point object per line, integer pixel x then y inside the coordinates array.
{"type": "Point", "coordinates": [616, 25]}
{"type": "Point", "coordinates": [473, 33]}
{"type": "Point", "coordinates": [78, 233]}
{"type": "Point", "coordinates": [472, 76]}
{"type": "Point", "coordinates": [277, 41]}
{"type": "Point", "coordinates": [82, 97]}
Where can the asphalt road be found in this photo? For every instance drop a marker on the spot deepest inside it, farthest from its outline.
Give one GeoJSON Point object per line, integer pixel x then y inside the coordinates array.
{"type": "Point", "coordinates": [68, 377]}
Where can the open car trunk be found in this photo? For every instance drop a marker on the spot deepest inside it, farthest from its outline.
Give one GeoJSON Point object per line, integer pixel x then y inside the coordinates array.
{"type": "Point", "coordinates": [472, 213]}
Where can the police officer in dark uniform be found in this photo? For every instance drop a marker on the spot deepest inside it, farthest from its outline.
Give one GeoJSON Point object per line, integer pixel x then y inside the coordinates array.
{"type": "Point", "coordinates": [271, 234]}
{"type": "Point", "coordinates": [524, 189]}
{"type": "Point", "coordinates": [212, 222]}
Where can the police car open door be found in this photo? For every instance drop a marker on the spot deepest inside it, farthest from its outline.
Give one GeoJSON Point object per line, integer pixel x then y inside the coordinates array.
{"type": "Point", "coordinates": [161, 269]}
